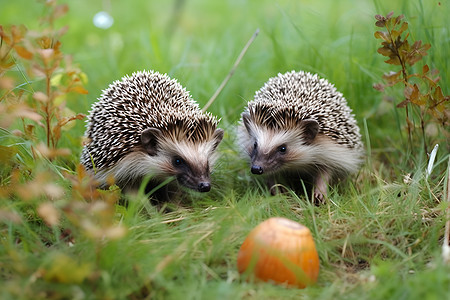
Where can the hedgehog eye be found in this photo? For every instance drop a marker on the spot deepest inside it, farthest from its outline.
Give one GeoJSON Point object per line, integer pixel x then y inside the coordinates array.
{"type": "Point", "coordinates": [282, 149]}
{"type": "Point", "coordinates": [255, 145]}
{"type": "Point", "coordinates": [177, 161]}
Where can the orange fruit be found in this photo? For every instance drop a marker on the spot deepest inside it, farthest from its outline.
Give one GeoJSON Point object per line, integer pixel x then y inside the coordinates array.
{"type": "Point", "coordinates": [282, 251]}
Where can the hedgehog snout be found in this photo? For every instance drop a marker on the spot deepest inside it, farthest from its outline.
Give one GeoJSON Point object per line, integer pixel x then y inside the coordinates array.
{"type": "Point", "coordinates": [258, 170]}
{"type": "Point", "coordinates": [204, 187]}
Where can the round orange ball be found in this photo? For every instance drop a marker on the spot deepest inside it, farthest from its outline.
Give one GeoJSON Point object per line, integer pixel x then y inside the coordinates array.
{"type": "Point", "coordinates": [282, 251]}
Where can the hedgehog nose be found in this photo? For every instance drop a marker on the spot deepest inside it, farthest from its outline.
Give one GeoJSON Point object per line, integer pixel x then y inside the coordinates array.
{"type": "Point", "coordinates": [204, 187]}
{"type": "Point", "coordinates": [257, 170]}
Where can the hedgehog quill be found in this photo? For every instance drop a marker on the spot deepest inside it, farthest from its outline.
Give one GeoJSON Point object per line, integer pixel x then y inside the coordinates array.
{"type": "Point", "coordinates": [299, 126]}
{"type": "Point", "coordinates": [147, 124]}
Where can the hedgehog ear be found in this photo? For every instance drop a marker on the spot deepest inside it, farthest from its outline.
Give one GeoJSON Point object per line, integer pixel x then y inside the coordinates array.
{"type": "Point", "coordinates": [217, 137]}
{"type": "Point", "coordinates": [246, 120]}
{"type": "Point", "coordinates": [149, 140]}
{"type": "Point", "coordinates": [310, 129]}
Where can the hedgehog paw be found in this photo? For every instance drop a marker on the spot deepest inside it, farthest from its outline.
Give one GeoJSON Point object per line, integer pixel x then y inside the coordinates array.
{"type": "Point", "coordinates": [319, 197]}
{"type": "Point", "coordinates": [320, 190]}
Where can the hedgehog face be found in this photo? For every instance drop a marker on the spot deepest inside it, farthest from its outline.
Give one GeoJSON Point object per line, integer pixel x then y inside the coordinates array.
{"type": "Point", "coordinates": [273, 150]}
{"type": "Point", "coordinates": [189, 162]}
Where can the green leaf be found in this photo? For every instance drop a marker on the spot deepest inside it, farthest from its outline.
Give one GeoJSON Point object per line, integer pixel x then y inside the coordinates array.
{"type": "Point", "coordinates": [56, 79]}
{"type": "Point", "coordinates": [65, 269]}
{"type": "Point", "coordinates": [7, 153]}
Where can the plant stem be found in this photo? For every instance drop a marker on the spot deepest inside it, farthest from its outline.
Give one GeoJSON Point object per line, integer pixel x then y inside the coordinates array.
{"type": "Point", "coordinates": [47, 110]}
{"type": "Point", "coordinates": [422, 125]}
{"type": "Point", "coordinates": [405, 81]}
{"type": "Point", "coordinates": [233, 69]}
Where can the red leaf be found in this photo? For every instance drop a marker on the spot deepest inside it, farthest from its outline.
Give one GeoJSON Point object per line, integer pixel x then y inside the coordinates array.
{"type": "Point", "coordinates": [4, 36]}
{"type": "Point", "coordinates": [438, 95]}
{"type": "Point", "coordinates": [45, 42]}
{"type": "Point", "coordinates": [61, 10]}
{"type": "Point", "coordinates": [24, 53]}
{"type": "Point", "coordinates": [395, 34]}
{"type": "Point", "coordinates": [78, 89]}
{"type": "Point", "coordinates": [26, 112]}
{"type": "Point", "coordinates": [380, 23]}
{"type": "Point", "coordinates": [393, 61]}
{"type": "Point", "coordinates": [385, 51]}
{"type": "Point", "coordinates": [6, 83]}
{"type": "Point", "coordinates": [403, 27]}
{"type": "Point", "coordinates": [7, 62]}
{"type": "Point", "coordinates": [378, 87]}
{"type": "Point", "coordinates": [392, 78]}
{"type": "Point", "coordinates": [403, 103]}
{"type": "Point", "coordinates": [63, 30]}
{"type": "Point", "coordinates": [41, 97]}
{"type": "Point", "coordinates": [431, 82]}
{"type": "Point", "coordinates": [398, 19]}
{"type": "Point", "coordinates": [18, 32]}
{"type": "Point", "coordinates": [412, 92]}
{"type": "Point", "coordinates": [408, 91]}
{"type": "Point", "coordinates": [66, 120]}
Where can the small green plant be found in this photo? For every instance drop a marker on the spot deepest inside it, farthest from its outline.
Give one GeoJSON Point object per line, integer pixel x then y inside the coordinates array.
{"type": "Point", "coordinates": [423, 97]}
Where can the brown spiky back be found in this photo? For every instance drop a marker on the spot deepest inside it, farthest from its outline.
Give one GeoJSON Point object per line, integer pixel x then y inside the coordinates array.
{"type": "Point", "coordinates": [146, 99]}
{"type": "Point", "coordinates": [287, 99]}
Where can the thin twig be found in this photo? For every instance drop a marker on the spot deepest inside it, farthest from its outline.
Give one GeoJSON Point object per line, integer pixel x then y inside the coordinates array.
{"type": "Point", "coordinates": [233, 69]}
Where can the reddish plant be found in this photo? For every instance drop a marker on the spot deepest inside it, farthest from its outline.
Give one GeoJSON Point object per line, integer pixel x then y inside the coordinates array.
{"type": "Point", "coordinates": [421, 90]}
{"type": "Point", "coordinates": [48, 76]}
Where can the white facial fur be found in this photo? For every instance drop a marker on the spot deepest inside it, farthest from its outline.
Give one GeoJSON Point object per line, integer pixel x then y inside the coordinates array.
{"type": "Point", "coordinates": [197, 157]}
{"type": "Point", "coordinates": [321, 153]}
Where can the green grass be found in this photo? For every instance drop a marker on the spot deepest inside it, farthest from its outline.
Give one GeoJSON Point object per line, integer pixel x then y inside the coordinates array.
{"type": "Point", "coordinates": [378, 237]}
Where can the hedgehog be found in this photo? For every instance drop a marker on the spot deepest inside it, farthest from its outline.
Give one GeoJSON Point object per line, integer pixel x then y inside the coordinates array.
{"type": "Point", "coordinates": [148, 125]}
{"type": "Point", "coordinates": [298, 126]}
